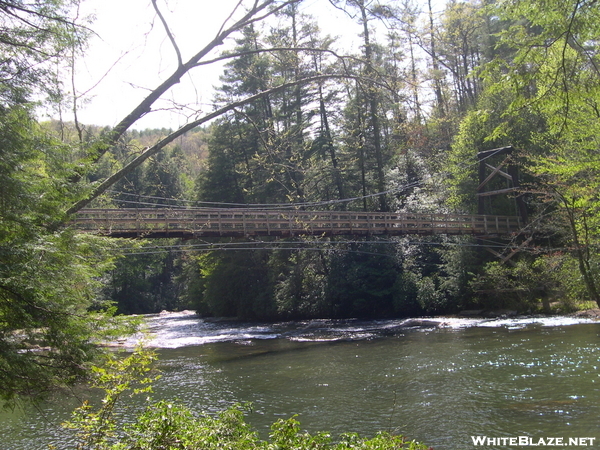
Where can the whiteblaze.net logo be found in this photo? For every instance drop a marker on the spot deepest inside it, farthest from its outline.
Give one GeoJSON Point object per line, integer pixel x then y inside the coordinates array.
{"type": "Point", "coordinates": [526, 441]}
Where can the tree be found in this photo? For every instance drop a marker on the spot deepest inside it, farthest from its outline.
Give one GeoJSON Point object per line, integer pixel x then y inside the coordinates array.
{"type": "Point", "coordinates": [361, 281]}
{"type": "Point", "coordinates": [262, 152]}
{"type": "Point", "coordinates": [34, 38]}
{"type": "Point", "coordinates": [372, 98]}
{"type": "Point", "coordinates": [161, 177]}
{"type": "Point", "coordinates": [462, 49]}
{"type": "Point", "coordinates": [555, 71]}
{"type": "Point", "coordinates": [237, 22]}
{"type": "Point", "coordinates": [143, 282]}
{"type": "Point", "coordinates": [223, 180]}
{"type": "Point", "coordinates": [49, 279]}
{"type": "Point", "coordinates": [50, 319]}
{"type": "Point", "coordinates": [407, 36]}
{"type": "Point", "coordinates": [236, 284]}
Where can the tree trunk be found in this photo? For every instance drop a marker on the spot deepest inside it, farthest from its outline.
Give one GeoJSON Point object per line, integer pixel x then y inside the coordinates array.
{"type": "Point", "coordinates": [373, 109]}
{"type": "Point", "coordinates": [329, 139]}
{"type": "Point", "coordinates": [437, 87]}
{"type": "Point", "coordinates": [583, 256]}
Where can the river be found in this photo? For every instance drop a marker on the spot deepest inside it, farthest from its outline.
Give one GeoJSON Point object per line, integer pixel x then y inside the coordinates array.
{"type": "Point", "coordinates": [438, 381]}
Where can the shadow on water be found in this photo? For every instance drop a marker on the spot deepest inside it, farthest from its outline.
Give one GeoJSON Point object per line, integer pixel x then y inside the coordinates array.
{"type": "Point", "coordinates": [248, 349]}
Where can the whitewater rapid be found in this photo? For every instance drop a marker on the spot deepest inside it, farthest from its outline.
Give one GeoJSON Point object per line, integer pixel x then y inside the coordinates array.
{"type": "Point", "coordinates": [185, 328]}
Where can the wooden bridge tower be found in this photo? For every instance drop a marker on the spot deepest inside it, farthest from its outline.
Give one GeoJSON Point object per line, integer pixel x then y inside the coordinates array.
{"type": "Point", "coordinates": [485, 159]}
{"type": "Point", "coordinates": [488, 173]}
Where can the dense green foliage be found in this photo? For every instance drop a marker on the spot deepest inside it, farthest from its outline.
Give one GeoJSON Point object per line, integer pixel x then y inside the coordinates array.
{"type": "Point", "coordinates": [167, 425]}
{"type": "Point", "coordinates": [366, 140]}
{"type": "Point", "coordinates": [561, 86]}
{"type": "Point", "coordinates": [50, 311]}
{"type": "Point", "coordinates": [395, 126]}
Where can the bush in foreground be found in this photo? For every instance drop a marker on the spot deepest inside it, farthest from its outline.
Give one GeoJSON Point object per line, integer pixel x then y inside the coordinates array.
{"type": "Point", "coordinates": [168, 426]}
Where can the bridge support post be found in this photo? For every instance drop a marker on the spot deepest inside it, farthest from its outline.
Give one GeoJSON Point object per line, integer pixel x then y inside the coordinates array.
{"type": "Point", "coordinates": [511, 173]}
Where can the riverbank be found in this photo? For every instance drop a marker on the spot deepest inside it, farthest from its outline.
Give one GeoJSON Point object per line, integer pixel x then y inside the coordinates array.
{"type": "Point", "coordinates": [588, 313]}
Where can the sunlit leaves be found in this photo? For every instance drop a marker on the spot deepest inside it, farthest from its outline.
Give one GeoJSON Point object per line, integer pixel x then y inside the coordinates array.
{"type": "Point", "coordinates": [169, 425]}
{"type": "Point", "coordinates": [34, 37]}
{"type": "Point", "coordinates": [554, 73]}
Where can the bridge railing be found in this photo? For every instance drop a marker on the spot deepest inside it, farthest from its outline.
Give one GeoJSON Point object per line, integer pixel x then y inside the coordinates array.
{"type": "Point", "coordinates": [164, 222]}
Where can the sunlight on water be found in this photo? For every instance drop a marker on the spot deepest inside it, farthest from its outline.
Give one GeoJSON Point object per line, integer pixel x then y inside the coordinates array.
{"type": "Point", "coordinates": [439, 380]}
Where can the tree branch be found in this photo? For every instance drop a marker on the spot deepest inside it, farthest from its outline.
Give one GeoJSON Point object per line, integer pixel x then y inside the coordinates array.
{"type": "Point", "coordinates": [8, 6]}
{"type": "Point", "coordinates": [169, 34]}
{"type": "Point", "coordinates": [144, 107]}
{"type": "Point", "coordinates": [101, 188]}
{"type": "Point", "coordinates": [227, 56]}
{"type": "Point", "coordinates": [230, 16]}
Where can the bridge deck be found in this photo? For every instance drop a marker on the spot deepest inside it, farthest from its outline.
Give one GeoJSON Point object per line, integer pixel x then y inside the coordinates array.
{"type": "Point", "coordinates": [165, 222]}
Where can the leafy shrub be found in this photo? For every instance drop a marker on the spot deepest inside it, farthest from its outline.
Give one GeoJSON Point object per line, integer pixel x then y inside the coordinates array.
{"type": "Point", "coordinates": [166, 425]}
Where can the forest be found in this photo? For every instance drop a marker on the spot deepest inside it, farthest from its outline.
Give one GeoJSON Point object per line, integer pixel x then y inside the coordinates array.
{"type": "Point", "coordinates": [394, 125]}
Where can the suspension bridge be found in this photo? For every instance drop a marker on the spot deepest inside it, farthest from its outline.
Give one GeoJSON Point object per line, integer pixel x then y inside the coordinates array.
{"type": "Point", "coordinates": [238, 222]}
{"type": "Point", "coordinates": [167, 222]}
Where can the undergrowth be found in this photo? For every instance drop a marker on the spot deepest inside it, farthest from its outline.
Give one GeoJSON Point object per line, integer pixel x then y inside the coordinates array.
{"type": "Point", "coordinates": [166, 425]}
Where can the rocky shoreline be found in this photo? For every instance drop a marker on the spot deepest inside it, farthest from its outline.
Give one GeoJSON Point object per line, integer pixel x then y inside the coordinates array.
{"type": "Point", "coordinates": [593, 313]}
{"type": "Point", "coordinates": [587, 313]}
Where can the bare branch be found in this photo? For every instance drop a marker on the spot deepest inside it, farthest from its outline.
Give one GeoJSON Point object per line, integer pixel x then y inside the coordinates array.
{"type": "Point", "coordinates": [169, 34]}
{"type": "Point", "coordinates": [144, 107]}
{"type": "Point", "coordinates": [113, 65]}
{"type": "Point", "coordinates": [230, 16]}
{"type": "Point", "coordinates": [227, 56]}
{"type": "Point", "coordinates": [101, 188]}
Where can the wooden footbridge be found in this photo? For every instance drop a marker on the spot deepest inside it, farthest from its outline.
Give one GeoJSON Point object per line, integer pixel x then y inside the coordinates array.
{"type": "Point", "coordinates": [159, 222]}
{"type": "Point", "coordinates": [238, 222]}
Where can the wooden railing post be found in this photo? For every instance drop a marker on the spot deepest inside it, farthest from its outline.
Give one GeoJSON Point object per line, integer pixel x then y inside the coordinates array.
{"type": "Point", "coordinates": [244, 221]}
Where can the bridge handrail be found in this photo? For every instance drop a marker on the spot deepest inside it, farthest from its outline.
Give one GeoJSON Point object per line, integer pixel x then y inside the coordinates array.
{"type": "Point", "coordinates": [257, 221]}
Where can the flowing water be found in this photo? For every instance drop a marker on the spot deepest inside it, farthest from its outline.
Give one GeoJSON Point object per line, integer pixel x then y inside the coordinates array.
{"type": "Point", "coordinates": [437, 381]}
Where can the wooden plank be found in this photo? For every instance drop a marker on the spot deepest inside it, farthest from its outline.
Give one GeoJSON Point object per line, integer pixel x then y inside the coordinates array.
{"type": "Point", "coordinates": [496, 151]}
{"type": "Point", "coordinates": [517, 250]}
{"type": "Point", "coordinates": [501, 173]}
{"type": "Point", "coordinates": [493, 174]}
{"type": "Point", "coordinates": [500, 191]}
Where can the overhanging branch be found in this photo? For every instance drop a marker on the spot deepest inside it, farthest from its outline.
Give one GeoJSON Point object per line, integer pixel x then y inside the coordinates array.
{"type": "Point", "coordinates": [101, 188]}
{"type": "Point", "coordinates": [169, 34]}
{"type": "Point", "coordinates": [145, 106]}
